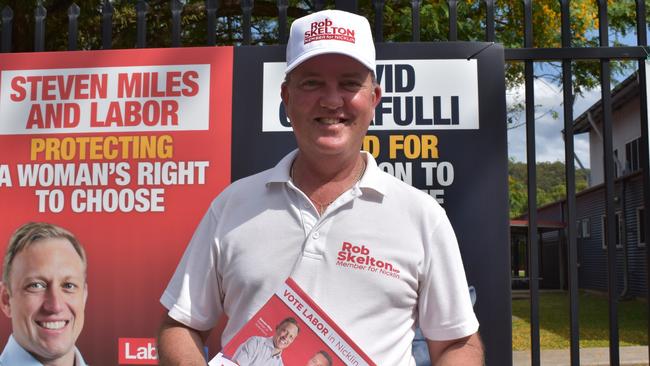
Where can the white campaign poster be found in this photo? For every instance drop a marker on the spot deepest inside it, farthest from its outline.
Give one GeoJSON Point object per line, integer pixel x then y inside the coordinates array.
{"type": "Point", "coordinates": [416, 95]}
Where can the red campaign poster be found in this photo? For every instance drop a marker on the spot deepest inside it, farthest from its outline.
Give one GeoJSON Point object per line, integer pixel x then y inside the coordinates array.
{"type": "Point", "coordinates": [126, 149]}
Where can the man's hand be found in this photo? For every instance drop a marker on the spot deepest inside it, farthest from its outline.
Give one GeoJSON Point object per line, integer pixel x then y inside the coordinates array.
{"type": "Point", "coordinates": [180, 345]}
{"type": "Point", "coordinates": [466, 351]}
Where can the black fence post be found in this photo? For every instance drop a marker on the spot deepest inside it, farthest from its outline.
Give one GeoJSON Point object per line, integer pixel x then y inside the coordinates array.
{"type": "Point", "coordinates": [415, 16]}
{"type": "Point", "coordinates": [642, 40]}
{"type": "Point", "coordinates": [453, 19]}
{"type": "Point", "coordinates": [379, 20]}
{"type": "Point", "coordinates": [247, 14]}
{"type": "Point", "coordinates": [141, 9]}
{"type": "Point", "coordinates": [572, 249]}
{"type": "Point", "coordinates": [39, 27]}
{"type": "Point", "coordinates": [177, 9]}
{"type": "Point", "coordinates": [489, 20]}
{"type": "Point", "coordinates": [282, 21]}
{"type": "Point", "coordinates": [73, 26]}
{"type": "Point", "coordinates": [608, 155]}
{"type": "Point", "coordinates": [107, 25]}
{"type": "Point", "coordinates": [7, 23]}
{"type": "Point", "coordinates": [533, 239]}
{"type": "Point", "coordinates": [211, 7]}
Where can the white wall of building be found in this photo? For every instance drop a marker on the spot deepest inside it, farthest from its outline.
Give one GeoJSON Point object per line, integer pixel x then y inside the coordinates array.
{"type": "Point", "coordinates": [626, 129]}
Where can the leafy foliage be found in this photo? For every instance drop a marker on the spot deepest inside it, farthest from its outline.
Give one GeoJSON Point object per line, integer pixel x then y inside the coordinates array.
{"type": "Point", "coordinates": [551, 185]}
{"type": "Point", "coordinates": [397, 21]}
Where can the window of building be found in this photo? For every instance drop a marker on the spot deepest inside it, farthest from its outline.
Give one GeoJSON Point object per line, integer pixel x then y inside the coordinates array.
{"type": "Point", "coordinates": [618, 227]}
{"type": "Point", "coordinates": [632, 158]}
{"type": "Point", "coordinates": [640, 227]}
{"type": "Point", "coordinates": [585, 228]}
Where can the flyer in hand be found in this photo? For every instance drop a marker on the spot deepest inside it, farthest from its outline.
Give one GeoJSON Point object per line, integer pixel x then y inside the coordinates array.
{"type": "Point", "coordinates": [291, 321]}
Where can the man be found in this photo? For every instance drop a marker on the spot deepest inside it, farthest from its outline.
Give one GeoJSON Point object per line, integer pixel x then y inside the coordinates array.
{"type": "Point", "coordinates": [263, 351]}
{"type": "Point", "coordinates": [376, 254]}
{"type": "Point", "coordinates": [321, 358]}
{"type": "Point", "coordinates": [44, 292]}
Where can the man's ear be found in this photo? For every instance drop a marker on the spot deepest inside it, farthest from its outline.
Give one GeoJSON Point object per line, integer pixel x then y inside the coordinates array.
{"type": "Point", "coordinates": [85, 292]}
{"type": "Point", "coordinates": [377, 94]}
{"type": "Point", "coordinates": [4, 299]}
{"type": "Point", "coordinates": [284, 93]}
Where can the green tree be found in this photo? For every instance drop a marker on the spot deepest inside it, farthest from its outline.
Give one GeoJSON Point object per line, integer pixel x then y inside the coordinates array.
{"type": "Point", "coordinates": [518, 196]}
{"type": "Point", "coordinates": [550, 187]}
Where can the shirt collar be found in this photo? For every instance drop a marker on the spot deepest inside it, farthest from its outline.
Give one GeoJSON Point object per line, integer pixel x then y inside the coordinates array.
{"type": "Point", "coordinates": [15, 354]}
{"type": "Point", "coordinates": [371, 178]}
{"type": "Point", "coordinates": [280, 173]}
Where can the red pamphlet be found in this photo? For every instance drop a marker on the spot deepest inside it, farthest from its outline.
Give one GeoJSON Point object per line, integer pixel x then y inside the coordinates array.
{"type": "Point", "coordinates": [293, 322]}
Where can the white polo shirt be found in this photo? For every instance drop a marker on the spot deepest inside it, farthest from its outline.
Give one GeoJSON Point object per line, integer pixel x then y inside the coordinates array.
{"type": "Point", "coordinates": [381, 257]}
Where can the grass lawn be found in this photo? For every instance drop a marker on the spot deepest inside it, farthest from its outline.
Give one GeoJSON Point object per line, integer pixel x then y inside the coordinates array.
{"type": "Point", "coordinates": [594, 327]}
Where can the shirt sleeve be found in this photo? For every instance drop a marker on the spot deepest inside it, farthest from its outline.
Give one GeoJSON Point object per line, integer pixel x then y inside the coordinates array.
{"type": "Point", "coordinates": [193, 295]}
{"type": "Point", "coordinates": [445, 308]}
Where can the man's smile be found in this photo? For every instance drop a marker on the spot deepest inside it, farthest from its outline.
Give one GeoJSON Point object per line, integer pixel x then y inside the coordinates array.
{"type": "Point", "coordinates": [53, 325]}
{"type": "Point", "coordinates": [330, 121]}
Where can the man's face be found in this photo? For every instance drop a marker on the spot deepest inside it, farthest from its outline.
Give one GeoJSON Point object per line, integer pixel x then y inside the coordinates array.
{"type": "Point", "coordinates": [330, 100]}
{"type": "Point", "coordinates": [284, 335]}
{"type": "Point", "coordinates": [45, 299]}
{"type": "Point", "coordinates": [318, 360]}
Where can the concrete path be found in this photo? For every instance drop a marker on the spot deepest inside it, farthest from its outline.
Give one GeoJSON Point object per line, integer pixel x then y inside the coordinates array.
{"type": "Point", "coordinates": [630, 356]}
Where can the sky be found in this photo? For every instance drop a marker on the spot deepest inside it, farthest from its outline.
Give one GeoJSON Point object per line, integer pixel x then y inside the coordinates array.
{"type": "Point", "coordinates": [549, 143]}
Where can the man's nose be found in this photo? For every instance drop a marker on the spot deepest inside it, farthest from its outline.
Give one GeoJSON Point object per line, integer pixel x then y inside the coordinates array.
{"type": "Point", "coordinates": [53, 301]}
{"type": "Point", "coordinates": [332, 98]}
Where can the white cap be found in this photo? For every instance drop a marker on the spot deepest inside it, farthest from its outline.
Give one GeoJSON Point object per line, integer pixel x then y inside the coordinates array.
{"type": "Point", "coordinates": [330, 31]}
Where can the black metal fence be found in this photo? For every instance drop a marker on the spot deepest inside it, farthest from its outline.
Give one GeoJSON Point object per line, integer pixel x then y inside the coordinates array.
{"type": "Point", "coordinates": [243, 11]}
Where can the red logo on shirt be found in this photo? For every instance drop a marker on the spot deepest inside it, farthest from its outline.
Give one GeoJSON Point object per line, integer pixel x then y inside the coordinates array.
{"type": "Point", "coordinates": [359, 258]}
{"type": "Point", "coordinates": [325, 30]}
{"type": "Point", "coordinates": [137, 351]}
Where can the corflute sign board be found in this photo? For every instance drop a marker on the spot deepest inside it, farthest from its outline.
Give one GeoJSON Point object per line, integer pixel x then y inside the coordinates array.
{"type": "Point", "coordinates": [440, 126]}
